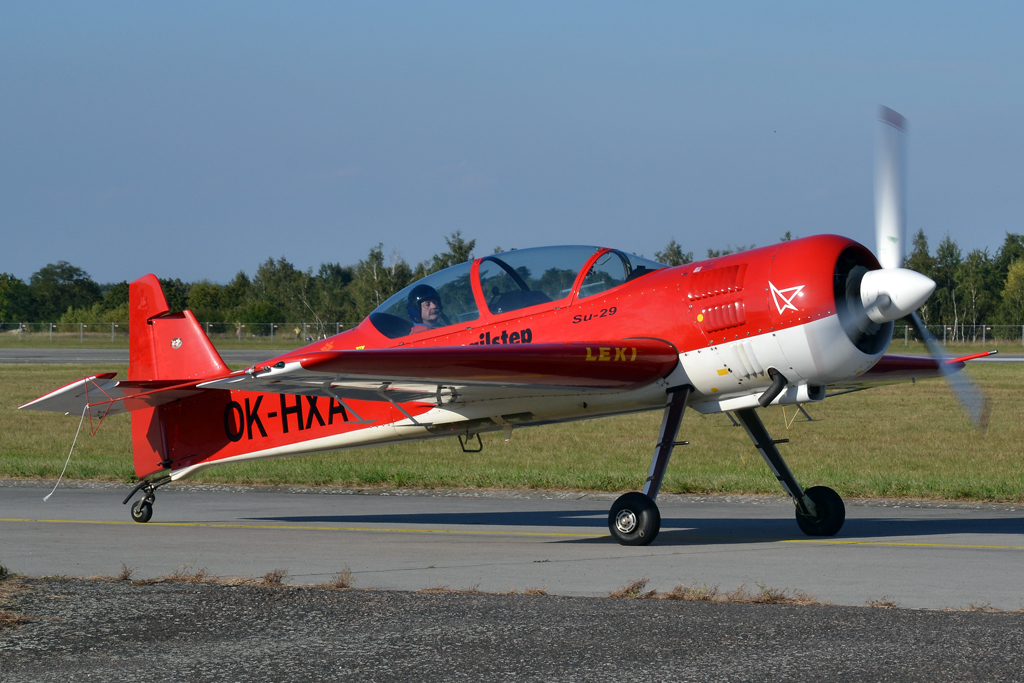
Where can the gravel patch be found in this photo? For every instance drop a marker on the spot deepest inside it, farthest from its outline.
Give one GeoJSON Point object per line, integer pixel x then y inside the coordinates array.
{"type": "Point", "coordinates": [174, 631]}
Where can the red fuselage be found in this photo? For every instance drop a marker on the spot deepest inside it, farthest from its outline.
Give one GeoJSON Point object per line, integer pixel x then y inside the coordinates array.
{"type": "Point", "coordinates": [730, 319]}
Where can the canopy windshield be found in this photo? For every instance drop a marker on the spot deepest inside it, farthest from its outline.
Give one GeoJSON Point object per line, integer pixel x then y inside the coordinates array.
{"type": "Point", "coordinates": [510, 281]}
{"type": "Point", "coordinates": [614, 268]}
{"type": "Point", "coordinates": [527, 277]}
{"type": "Point", "coordinates": [410, 311]}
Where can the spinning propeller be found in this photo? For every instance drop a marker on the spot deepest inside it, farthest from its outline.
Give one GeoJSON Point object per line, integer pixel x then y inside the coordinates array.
{"type": "Point", "coordinates": [894, 292]}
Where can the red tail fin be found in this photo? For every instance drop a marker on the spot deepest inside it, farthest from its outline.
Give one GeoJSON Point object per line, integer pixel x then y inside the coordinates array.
{"type": "Point", "coordinates": [162, 345]}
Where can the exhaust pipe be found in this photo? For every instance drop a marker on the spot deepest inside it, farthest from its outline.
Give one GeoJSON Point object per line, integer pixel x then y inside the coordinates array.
{"type": "Point", "coordinates": [779, 383]}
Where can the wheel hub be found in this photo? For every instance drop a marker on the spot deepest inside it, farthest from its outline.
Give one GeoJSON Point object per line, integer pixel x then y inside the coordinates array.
{"type": "Point", "coordinates": [626, 521]}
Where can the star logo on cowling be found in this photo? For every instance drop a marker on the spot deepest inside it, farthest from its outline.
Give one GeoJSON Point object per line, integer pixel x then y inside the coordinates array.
{"type": "Point", "coordinates": [784, 297]}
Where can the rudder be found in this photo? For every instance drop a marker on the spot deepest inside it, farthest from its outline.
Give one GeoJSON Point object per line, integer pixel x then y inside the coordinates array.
{"type": "Point", "coordinates": [167, 346]}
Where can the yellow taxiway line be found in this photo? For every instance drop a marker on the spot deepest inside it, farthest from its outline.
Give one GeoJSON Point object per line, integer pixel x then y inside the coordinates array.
{"type": "Point", "coordinates": [212, 525]}
{"type": "Point", "coordinates": [306, 528]}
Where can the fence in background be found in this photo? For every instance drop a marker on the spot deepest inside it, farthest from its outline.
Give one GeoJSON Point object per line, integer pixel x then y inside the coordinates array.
{"type": "Point", "coordinates": [963, 334]}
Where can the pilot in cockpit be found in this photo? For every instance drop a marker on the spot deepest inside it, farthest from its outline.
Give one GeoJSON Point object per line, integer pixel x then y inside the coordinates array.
{"type": "Point", "coordinates": [425, 309]}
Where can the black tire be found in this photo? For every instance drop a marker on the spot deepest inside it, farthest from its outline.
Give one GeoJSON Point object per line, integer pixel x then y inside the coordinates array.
{"type": "Point", "coordinates": [142, 512]}
{"type": "Point", "coordinates": [831, 513]}
{"type": "Point", "coordinates": [634, 519]}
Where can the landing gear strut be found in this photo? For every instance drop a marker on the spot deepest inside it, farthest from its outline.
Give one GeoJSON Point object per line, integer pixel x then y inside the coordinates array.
{"type": "Point", "coordinates": [142, 511]}
{"type": "Point", "coordinates": [634, 518]}
{"type": "Point", "coordinates": [819, 510]}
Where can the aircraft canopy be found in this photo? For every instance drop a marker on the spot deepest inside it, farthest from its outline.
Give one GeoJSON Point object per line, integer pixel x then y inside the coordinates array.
{"type": "Point", "coordinates": [505, 282]}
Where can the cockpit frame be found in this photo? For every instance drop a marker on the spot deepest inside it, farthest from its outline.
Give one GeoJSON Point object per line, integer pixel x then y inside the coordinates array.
{"type": "Point", "coordinates": [487, 316]}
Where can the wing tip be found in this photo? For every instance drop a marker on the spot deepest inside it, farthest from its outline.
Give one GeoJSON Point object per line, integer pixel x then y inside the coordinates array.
{"type": "Point", "coordinates": [971, 356]}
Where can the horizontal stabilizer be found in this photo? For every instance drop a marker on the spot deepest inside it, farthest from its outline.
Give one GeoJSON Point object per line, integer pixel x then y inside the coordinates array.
{"type": "Point", "coordinates": [71, 398]}
{"type": "Point", "coordinates": [106, 396]}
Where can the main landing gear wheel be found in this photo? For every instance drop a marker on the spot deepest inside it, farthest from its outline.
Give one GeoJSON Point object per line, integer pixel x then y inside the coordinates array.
{"type": "Point", "coordinates": [830, 509]}
{"type": "Point", "coordinates": [142, 511]}
{"type": "Point", "coordinates": [634, 519]}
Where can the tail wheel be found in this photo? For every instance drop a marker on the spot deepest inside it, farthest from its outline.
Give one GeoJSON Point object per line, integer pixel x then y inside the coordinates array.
{"type": "Point", "coordinates": [142, 511]}
{"type": "Point", "coordinates": [634, 519]}
{"type": "Point", "coordinates": [831, 513]}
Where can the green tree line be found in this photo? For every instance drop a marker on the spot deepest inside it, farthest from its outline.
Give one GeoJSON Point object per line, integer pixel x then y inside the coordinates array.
{"type": "Point", "coordinates": [971, 289]}
{"type": "Point", "coordinates": [978, 288]}
{"type": "Point", "coordinates": [276, 292]}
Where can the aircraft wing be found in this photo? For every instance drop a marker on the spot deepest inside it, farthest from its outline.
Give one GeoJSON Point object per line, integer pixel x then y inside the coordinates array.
{"type": "Point", "coordinates": [892, 369]}
{"type": "Point", "coordinates": [393, 375]}
{"type": "Point", "coordinates": [419, 373]}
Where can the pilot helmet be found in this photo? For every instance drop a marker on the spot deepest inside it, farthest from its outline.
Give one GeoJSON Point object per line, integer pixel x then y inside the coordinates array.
{"type": "Point", "coordinates": [417, 296]}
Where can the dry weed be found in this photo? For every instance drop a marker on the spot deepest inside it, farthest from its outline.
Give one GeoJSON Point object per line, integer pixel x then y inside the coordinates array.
{"type": "Point", "coordinates": [125, 574]}
{"type": "Point", "coordinates": [145, 582]}
{"type": "Point", "coordinates": [692, 593]}
{"type": "Point", "coordinates": [237, 581]}
{"type": "Point", "coordinates": [343, 580]}
{"type": "Point", "coordinates": [529, 591]}
{"type": "Point", "coordinates": [275, 577]}
{"type": "Point", "coordinates": [7, 589]}
{"type": "Point", "coordinates": [12, 618]}
{"type": "Point", "coordinates": [983, 607]}
{"type": "Point", "coordinates": [884, 602]}
{"type": "Point", "coordinates": [633, 591]}
{"type": "Point", "coordinates": [472, 590]}
{"type": "Point", "coordinates": [765, 595]}
{"type": "Point", "coordinates": [185, 574]}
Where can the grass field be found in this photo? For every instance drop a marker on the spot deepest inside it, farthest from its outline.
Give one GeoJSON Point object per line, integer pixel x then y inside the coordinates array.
{"type": "Point", "coordinates": [898, 441]}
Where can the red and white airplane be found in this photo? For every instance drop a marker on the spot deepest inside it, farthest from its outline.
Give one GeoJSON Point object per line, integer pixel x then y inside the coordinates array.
{"type": "Point", "coordinates": [537, 336]}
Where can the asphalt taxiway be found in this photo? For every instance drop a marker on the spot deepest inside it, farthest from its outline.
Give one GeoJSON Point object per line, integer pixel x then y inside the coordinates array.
{"type": "Point", "coordinates": [915, 554]}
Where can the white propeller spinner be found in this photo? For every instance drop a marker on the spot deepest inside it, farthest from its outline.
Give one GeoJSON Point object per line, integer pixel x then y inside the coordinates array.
{"type": "Point", "coordinates": [892, 293]}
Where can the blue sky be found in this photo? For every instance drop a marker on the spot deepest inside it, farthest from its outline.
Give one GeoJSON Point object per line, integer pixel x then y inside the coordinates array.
{"type": "Point", "coordinates": [196, 140]}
